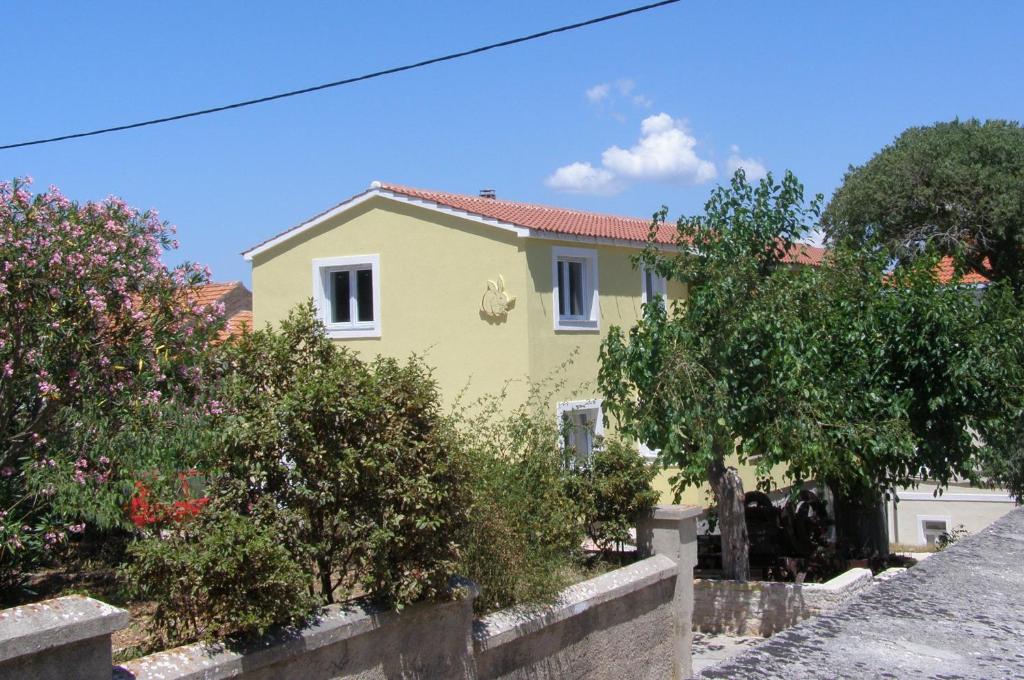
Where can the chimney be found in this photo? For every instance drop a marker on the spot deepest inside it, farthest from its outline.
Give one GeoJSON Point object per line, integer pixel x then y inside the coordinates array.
{"type": "Point", "coordinates": [487, 193]}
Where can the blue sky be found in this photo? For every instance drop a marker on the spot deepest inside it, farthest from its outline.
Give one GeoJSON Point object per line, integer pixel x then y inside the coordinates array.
{"type": "Point", "coordinates": [622, 117]}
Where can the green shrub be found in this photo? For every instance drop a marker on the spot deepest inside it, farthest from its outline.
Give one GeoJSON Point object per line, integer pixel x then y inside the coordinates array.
{"type": "Point", "coordinates": [612, 489]}
{"type": "Point", "coordinates": [224, 574]}
{"type": "Point", "coordinates": [358, 451]}
{"type": "Point", "coordinates": [524, 536]}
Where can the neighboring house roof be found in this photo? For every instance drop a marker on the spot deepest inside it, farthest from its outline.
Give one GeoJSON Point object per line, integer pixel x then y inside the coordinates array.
{"type": "Point", "coordinates": [238, 324]}
{"type": "Point", "coordinates": [946, 270]}
{"type": "Point", "coordinates": [237, 301]}
{"type": "Point", "coordinates": [526, 219]}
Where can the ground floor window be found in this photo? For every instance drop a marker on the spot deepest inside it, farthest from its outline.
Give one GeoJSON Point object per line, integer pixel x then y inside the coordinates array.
{"type": "Point", "coordinates": [581, 425]}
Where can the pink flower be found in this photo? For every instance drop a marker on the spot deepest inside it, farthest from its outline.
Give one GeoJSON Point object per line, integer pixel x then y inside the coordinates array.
{"type": "Point", "coordinates": [6, 471]}
{"type": "Point", "coordinates": [76, 528]}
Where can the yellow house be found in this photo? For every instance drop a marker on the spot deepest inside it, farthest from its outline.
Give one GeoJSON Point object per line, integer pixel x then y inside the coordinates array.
{"type": "Point", "coordinates": [490, 290]}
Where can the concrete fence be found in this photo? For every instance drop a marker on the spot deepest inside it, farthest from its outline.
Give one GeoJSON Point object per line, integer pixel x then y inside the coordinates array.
{"type": "Point", "coordinates": [633, 622]}
{"type": "Point", "coordinates": [765, 608]}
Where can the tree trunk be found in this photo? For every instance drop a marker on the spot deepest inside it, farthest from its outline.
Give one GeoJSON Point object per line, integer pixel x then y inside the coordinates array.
{"type": "Point", "coordinates": [732, 523]}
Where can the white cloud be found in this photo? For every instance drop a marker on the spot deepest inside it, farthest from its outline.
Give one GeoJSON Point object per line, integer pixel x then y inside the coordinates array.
{"type": "Point", "coordinates": [584, 178]}
{"type": "Point", "coordinates": [624, 86]}
{"type": "Point", "coordinates": [753, 168]}
{"type": "Point", "coordinates": [617, 90]}
{"type": "Point", "coordinates": [599, 92]}
{"type": "Point", "coordinates": [666, 152]}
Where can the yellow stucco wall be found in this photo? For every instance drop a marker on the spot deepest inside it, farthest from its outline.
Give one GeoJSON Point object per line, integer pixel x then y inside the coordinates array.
{"type": "Point", "coordinates": [433, 269]}
{"type": "Point", "coordinates": [619, 294]}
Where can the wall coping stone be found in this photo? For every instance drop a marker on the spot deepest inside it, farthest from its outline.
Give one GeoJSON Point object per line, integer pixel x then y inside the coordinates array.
{"type": "Point", "coordinates": [337, 622]}
{"type": "Point", "coordinates": [675, 512]}
{"type": "Point", "coordinates": [33, 628]}
{"type": "Point", "coordinates": [508, 625]}
{"type": "Point", "coordinates": [839, 583]}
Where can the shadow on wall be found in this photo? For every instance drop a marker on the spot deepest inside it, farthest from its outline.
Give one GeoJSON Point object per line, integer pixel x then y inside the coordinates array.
{"type": "Point", "coordinates": [752, 608]}
{"type": "Point", "coordinates": [589, 645]}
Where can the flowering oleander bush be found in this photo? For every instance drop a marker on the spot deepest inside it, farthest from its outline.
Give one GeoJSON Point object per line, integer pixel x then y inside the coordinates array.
{"type": "Point", "coordinates": [94, 329]}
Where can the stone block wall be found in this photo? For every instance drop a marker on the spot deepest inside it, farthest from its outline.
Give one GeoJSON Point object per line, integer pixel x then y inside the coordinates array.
{"type": "Point", "coordinates": [67, 638]}
{"type": "Point", "coordinates": [633, 622]}
{"type": "Point", "coordinates": [765, 608]}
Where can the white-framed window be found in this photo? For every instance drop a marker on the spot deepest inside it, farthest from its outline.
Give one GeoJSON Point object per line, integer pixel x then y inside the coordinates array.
{"type": "Point", "coordinates": [930, 527]}
{"type": "Point", "coordinates": [574, 284]}
{"type": "Point", "coordinates": [647, 452]}
{"type": "Point", "coordinates": [582, 425]}
{"type": "Point", "coordinates": [346, 291]}
{"type": "Point", "coordinates": [651, 284]}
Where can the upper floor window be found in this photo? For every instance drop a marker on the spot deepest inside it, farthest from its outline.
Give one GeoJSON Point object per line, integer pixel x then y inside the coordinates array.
{"type": "Point", "coordinates": [575, 299]}
{"type": "Point", "coordinates": [653, 285]}
{"type": "Point", "coordinates": [346, 291]}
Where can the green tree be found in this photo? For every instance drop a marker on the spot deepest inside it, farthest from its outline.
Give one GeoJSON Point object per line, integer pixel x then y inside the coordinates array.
{"type": "Point", "coordinates": [840, 372]}
{"type": "Point", "coordinates": [956, 185]}
{"type": "Point", "coordinates": [674, 383]}
{"type": "Point", "coordinates": [357, 451]}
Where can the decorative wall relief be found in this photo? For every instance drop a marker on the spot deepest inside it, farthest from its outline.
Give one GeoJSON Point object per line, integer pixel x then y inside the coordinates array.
{"type": "Point", "coordinates": [496, 302]}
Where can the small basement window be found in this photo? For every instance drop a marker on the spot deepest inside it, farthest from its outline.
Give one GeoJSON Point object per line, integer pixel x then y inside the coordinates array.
{"type": "Point", "coordinates": [931, 528]}
{"type": "Point", "coordinates": [575, 295]}
{"type": "Point", "coordinates": [347, 295]}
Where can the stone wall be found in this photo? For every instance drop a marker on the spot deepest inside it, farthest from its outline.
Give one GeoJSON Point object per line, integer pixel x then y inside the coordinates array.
{"type": "Point", "coordinates": [632, 622]}
{"type": "Point", "coordinates": [60, 639]}
{"type": "Point", "coordinates": [618, 625]}
{"type": "Point", "coordinates": [765, 608]}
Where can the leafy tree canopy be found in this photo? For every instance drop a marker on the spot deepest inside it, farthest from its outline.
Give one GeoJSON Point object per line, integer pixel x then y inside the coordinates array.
{"type": "Point", "coordinates": [956, 185]}
{"type": "Point", "coordinates": [839, 372]}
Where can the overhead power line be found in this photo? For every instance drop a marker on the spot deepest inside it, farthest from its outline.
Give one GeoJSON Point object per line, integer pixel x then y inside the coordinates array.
{"type": "Point", "coordinates": [346, 81]}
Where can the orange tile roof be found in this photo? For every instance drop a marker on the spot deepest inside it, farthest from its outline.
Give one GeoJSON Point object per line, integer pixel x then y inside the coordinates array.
{"type": "Point", "coordinates": [237, 325]}
{"type": "Point", "coordinates": [213, 292]}
{"type": "Point", "coordinates": [543, 217]}
{"type": "Point", "coordinates": [946, 270]}
{"type": "Point", "coordinates": [549, 219]}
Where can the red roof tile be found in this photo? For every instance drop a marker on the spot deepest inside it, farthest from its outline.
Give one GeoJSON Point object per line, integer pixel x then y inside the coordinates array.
{"type": "Point", "coordinates": [550, 219]}
{"type": "Point", "coordinates": [543, 217]}
{"type": "Point", "coordinates": [567, 221]}
{"type": "Point", "coordinates": [237, 325]}
{"type": "Point", "coordinates": [945, 270]}
{"type": "Point", "coordinates": [213, 292]}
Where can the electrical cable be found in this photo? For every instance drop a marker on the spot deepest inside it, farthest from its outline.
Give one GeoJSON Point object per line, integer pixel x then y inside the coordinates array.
{"type": "Point", "coordinates": [346, 81]}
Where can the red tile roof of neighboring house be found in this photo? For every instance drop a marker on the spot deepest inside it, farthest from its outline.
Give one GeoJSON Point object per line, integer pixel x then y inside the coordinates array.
{"type": "Point", "coordinates": [237, 305]}
{"type": "Point", "coordinates": [213, 292]}
{"type": "Point", "coordinates": [945, 270]}
{"type": "Point", "coordinates": [549, 219]}
{"type": "Point", "coordinates": [238, 324]}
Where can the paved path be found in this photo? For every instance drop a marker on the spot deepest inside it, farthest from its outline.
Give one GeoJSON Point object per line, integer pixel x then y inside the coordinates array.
{"type": "Point", "coordinates": [709, 650]}
{"type": "Point", "coordinates": [957, 614]}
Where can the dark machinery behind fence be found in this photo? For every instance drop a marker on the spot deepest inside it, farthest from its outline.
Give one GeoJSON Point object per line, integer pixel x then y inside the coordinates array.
{"type": "Point", "coordinates": [788, 542]}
